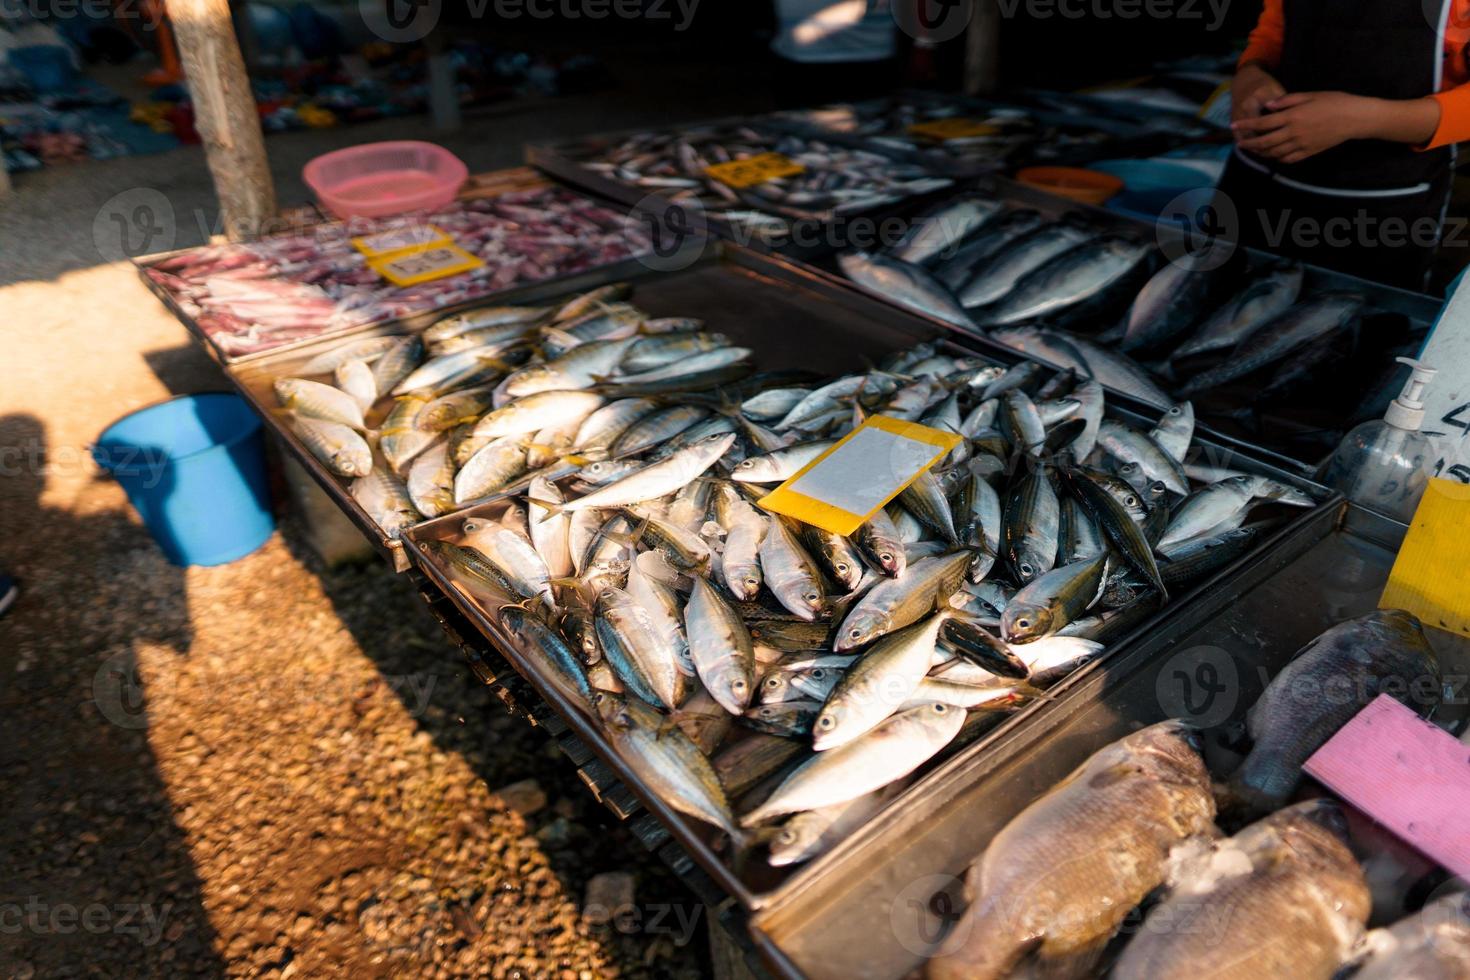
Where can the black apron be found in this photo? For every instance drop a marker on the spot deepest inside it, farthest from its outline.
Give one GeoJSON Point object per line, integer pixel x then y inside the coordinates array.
{"type": "Point", "coordinates": [1370, 208]}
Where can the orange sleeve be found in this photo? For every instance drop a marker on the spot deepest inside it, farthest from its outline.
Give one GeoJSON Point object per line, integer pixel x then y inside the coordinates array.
{"type": "Point", "coordinates": [1454, 117]}
{"type": "Point", "coordinates": [1267, 38]}
{"type": "Point", "coordinates": [1454, 97]}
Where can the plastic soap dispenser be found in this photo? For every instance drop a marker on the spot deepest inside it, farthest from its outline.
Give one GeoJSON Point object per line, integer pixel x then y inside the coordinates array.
{"type": "Point", "coordinates": [1383, 464]}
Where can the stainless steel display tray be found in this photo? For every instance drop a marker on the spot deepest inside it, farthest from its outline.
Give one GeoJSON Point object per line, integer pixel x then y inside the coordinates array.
{"type": "Point", "coordinates": [791, 318]}
{"type": "Point", "coordinates": [1419, 309]}
{"type": "Point", "coordinates": [566, 161]}
{"type": "Point", "coordinates": [866, 911]}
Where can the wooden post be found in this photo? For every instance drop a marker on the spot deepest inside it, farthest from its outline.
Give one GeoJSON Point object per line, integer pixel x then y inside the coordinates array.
{"type": "Point", "coordinates": [224, 114]}
{"type": "Point", "coordinates": [982, 48]}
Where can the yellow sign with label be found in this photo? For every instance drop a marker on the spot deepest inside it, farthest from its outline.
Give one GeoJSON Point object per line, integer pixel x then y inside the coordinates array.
{"type": "Point", "coordinates": [1427, 577]}
{"type": "Point", "coordinates": [754, 170]}
{"type": "Point", "coordinates": [840, 489]}
{"type": "Point", "coordinates": [954, 128]}
{"type": "Point", "coordinates": [410, 267]}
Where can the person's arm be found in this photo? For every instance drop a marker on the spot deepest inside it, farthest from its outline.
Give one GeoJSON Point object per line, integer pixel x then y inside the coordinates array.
{"type": "Point", "coordinates": [1254, 84]}
{"type": "Point", "coordinates": [1303, 124]}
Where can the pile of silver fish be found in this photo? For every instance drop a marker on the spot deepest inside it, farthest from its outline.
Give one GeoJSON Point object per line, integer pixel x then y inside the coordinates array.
{"type": "Point", "coordinates": [1284, 896]}
{"type": "Point", "coordinates": [1004, 136]}
{"type": "Point", "coordinates": [493, 399]}
{"type": "Point", "coordinates": [1054, 289]}
{"type": "Point", "coordinates": [779, 681]}
{"type": "Point", "coordinates": [836, 180]}
{"type": "Point", "coordinates": [284, 289]}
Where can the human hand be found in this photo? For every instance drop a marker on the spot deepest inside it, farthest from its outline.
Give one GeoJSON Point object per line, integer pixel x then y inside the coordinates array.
{"type": "Point", "coordinates": [1250, 90]}
{"type": "Point", "coordinates": [1304, 124]}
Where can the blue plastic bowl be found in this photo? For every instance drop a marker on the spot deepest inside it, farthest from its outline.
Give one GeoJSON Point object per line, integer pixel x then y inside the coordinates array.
{"type": "Point", "coordinates": [194, 469]}
{"type": "Point", "coordinates": [1150, 185]}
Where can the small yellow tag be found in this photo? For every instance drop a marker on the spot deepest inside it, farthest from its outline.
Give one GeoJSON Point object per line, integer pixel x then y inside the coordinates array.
{"type": "Point", "coordinates": [409, 267]}
{"type": "Point", "coordinates": [840, 489]}
{"type": "Point", "coordinates": [754, 170]}
{"type": "Point", "coordinates": [953, 128]}
{"type": "Point", "coordinates": [1427, 577]}
{"type": "Point", "coordinates": [394, 240]}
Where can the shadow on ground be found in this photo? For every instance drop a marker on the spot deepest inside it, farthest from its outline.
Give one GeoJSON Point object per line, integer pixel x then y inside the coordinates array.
{"type": "Point", "coordinates": [108, 876]}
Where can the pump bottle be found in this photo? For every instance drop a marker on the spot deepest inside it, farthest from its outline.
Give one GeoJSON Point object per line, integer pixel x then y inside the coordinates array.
{"type": "Point", "coordinates": [1384, 464]}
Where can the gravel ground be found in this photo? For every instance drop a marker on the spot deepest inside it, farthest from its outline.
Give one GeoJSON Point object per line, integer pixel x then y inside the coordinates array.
{"type": "Point", "coordinates": [264, 768]}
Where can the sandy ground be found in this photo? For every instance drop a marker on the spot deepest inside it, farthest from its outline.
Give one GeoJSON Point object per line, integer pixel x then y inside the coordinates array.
{"type": "Point", "coordinates": [263, 768]}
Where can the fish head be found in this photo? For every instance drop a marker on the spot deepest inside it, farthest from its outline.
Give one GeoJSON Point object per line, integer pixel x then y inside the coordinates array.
{"type": "Point", "coordinates": [847, 573]}
{"type": "Point", "coordinates": [744, 581]}
{"type": "Point", "coordinates": [475, 525]}
{"type": "Point", "coordinates": [774, 687]}
{"type": "Point", "coordinates": [787, 846]}
{"type": "Point", "coordinates": [813, 599]}
{"type": "Point", "coordinates": [1025, 621]}
{"type": "Point", "coordinates": [861, 627]}
{"type": "Point", "coordinates": [613, 710]}
{"type": "Point", "coordinates": [825, 729]}
{"type": "Point", "coordinates": [730, 685]}
{"type": "Point", "coordinates": [349, 462]}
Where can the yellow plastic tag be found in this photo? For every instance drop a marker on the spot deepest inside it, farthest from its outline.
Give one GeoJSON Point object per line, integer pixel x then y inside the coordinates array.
{"type": "Point", "coordinates": [872, 464]}
{"type": "Point", "coordinates": [754, 170]}
{"type": "Point", "coordinates": [953, 128]}
{"type": "Point", "coordinates": [394, 240]}
{"type": "Point", "coordinates": [409, 267]}
{"type": "Point", "coordinates": [1426, 579]}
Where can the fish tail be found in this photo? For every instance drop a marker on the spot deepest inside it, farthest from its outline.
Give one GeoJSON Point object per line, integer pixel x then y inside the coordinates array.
{"type": "Point", "coordinates": [552, 508]}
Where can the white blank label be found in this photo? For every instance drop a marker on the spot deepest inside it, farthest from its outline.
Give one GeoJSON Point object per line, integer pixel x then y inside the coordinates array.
{"type": "Point", "coordinates": [866, 470]}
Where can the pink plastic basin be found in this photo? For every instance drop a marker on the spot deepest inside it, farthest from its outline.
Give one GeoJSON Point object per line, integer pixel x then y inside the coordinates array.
{"type": "Point", "coordinates": [377, 179]}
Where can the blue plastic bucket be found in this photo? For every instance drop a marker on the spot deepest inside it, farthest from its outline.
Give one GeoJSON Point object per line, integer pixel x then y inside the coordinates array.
{"type": "Point", "coordinates": [194, 469]}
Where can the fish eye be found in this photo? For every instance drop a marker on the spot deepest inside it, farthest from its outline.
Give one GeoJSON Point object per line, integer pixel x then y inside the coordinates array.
{"type": "Point", "coordinates": [841, 568]}
{"type": "Point", "coordinates": [817, 674]}
{"type": "Point", "coordinates": [1023, 623]}
{"type": "Point", "coordinates": [1026, 568]}
{"type": "Point", "coordinates": [825, 723]}
{"type": "Point", "coordinates": [787, 836]}
{"type": "Point", "coordinates": [745, 464]}
{"type": "Point", "coordinates": [738, 684]}
{"type": "Point", "coordinates": [885, 558]}
{"type": "Point", "coordinates": [773, 682]}
{"type": "Point", "coordinates": [767, 712]}
{"type": "Point", "coordinates": [1131, 500]}
{"type": "Point", "coordinates": [940, 709]}
{"type": "Point", "coordinates": [855, 633]}
{"type": "Point", "coordinates": [812, 597]}
{"type": "Point", "coordinates": [752, 582]}
{"type": "Point", "coordinates": [606, 594]}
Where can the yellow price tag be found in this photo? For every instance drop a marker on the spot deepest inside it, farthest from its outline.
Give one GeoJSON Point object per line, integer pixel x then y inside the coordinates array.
{"type": "Point", "coordinates": [754, 170]}
{"type": "Point", "coordinates": [1427, 577]}
{"type": "Point", "coordinates": [395, 240]}
{"type": "Point", "coordinates": [413, 266]}
{"type": "Point", "coordinates": [840, 489]}
{"type": "Point", "coordinates": [954, 128]}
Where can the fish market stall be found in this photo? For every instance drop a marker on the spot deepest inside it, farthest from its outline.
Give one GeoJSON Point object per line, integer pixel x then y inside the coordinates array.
{"type": "Point", "coordinates": [899, 885]}
{"type": "Point", "coordinates": [573, 468]}
{"type": "Point", "coordinates": [968, 136]}
{"type": "Point", "coordinates": [1276, 354]}
{"type": "Point", "coordinates": [281, 292]}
